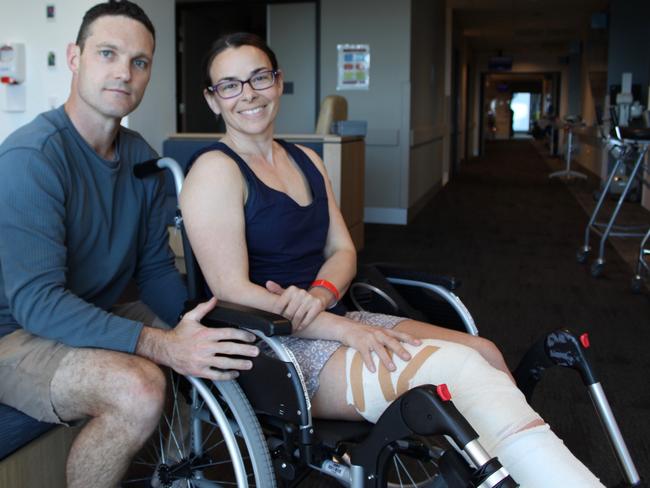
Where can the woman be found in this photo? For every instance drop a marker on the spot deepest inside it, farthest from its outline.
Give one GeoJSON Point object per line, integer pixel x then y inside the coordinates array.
{"type": "Point", "coordinates": [266, 231]}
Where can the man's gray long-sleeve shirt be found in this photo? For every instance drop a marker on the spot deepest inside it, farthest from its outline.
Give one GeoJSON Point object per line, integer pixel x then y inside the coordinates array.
{"type": "Point", "coordinates": [75, 229]}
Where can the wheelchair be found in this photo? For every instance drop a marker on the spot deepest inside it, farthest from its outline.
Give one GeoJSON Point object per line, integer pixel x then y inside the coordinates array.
{"type": "Point", "coordinates": [258, 430]}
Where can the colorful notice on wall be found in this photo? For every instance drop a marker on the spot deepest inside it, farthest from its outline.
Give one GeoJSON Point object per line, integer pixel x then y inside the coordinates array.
{"type": "Point", "coordinates": [353, 67]}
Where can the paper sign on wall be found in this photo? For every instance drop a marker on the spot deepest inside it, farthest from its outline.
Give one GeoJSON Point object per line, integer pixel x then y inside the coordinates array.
{"type": "Point", "coordinates": [353, 67]}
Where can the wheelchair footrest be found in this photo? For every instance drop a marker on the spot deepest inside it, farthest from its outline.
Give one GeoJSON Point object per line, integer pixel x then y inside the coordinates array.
{"type": "Point", "coordinates": [423, 411]}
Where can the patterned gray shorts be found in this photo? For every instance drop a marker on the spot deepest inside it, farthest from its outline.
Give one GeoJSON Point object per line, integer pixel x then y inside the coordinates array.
{"type": "Point", "coordinates": [312, 354]}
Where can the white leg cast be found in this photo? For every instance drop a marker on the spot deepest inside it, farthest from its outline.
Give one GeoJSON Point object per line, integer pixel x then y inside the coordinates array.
{"type": "Point", "coordinates": [537, 458]}
{"type": "Point", "coordinates": [484, 395]}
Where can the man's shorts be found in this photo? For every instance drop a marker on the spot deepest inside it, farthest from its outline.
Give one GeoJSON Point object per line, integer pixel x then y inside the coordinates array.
{"type": "Point", "coordinates": [28, 363]}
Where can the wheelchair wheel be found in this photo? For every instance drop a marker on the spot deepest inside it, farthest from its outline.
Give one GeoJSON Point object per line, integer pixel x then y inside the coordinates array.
{"type": "Point", "coordinates": [208, 436]}
{"type": "Point", "coordinates": [405, 474]}
{"type": "Point", "coordinates": [414, 466]}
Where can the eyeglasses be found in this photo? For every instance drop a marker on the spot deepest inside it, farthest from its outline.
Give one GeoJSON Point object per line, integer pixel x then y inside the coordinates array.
{"type": "Point", "coordinates": [232, 88]}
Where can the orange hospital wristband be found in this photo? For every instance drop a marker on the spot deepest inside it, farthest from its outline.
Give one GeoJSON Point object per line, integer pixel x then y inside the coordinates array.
{"type": "Point", "coordinates": [328, 285]}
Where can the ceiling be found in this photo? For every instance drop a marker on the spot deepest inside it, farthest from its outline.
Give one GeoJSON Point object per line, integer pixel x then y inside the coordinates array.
{"type": "Point", "coordinates": [512, 26]}
{"type": "Point", "coordinates": [547, 27]}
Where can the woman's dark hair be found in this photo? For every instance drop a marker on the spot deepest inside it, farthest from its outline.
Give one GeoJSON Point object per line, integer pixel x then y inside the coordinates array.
{"type": "Point", "coordinates": [235, 40]}
{"type": "Point", "coordinates": [112, 8]}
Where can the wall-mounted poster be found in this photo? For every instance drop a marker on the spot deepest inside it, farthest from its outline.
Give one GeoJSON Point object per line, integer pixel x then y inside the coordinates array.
{"type": "Point", "coordinates": [353, 67]}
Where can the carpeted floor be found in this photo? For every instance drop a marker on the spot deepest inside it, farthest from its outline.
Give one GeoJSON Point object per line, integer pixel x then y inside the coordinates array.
{"type": "Point", "coordinates": [511, 235]}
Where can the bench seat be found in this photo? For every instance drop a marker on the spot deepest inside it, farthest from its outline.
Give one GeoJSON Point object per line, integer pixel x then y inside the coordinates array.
{"type": "Point", "coordinates": [18, 429]}
{"type": "Point", "coordinates": [32, 453]}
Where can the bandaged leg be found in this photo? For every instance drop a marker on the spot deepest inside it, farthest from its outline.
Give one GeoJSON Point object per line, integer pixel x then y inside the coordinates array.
{"type": "Point", "coordinates": [537, 457]}
{"type": "Point", "coordinates": [485, 396]}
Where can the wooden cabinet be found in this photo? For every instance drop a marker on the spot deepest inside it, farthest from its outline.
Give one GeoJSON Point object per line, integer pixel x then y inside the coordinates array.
{"type": "Point", "coordinates": [345, 162]}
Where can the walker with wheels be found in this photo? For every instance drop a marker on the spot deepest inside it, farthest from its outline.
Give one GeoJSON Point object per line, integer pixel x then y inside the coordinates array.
{"type": "Point", "coordinates": [629, 147]}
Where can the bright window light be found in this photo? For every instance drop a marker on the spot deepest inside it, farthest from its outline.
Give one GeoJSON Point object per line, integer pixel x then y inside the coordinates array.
{"type": "Point", "coordinates": [520, 105]}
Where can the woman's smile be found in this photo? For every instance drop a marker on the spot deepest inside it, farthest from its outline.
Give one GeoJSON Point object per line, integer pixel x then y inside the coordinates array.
{"type": "Point", "coordinates": [253, 111]}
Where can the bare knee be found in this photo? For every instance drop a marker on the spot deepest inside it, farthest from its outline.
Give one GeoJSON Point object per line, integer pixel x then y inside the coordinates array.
{"type": "Point", "coordinates": [487, 348]}
{"type": "Point", "coordinates": [490, 352]}
{"type": "Point", "coordinates": [99, 383]}
{"type": "Point", "coordinates": [139, 394]}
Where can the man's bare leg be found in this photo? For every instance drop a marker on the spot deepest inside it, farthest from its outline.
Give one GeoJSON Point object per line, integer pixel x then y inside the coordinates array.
{"type": "Point", "coordinates": [123, 395]}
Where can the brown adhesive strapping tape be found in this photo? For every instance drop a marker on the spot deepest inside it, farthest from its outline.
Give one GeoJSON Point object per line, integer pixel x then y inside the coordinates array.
{"type": "Point", "coordinates": [356, 382]}
{"type": "Point", "coordinates": [412, 367]}
{"type": "Point", "coordinates": [385, 382]}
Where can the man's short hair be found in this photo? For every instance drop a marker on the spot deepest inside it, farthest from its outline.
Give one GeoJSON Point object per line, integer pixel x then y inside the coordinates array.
{"type": "Point", "coordinates": [124, 8]}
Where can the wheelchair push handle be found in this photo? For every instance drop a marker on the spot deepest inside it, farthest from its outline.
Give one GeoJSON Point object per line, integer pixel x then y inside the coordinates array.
{"type": "Point", "coordinates": [152, 166]}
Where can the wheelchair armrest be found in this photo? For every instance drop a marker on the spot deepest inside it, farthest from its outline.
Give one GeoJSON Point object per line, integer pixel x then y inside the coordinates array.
{"type": "Point", "coordinates": [227, 314]}
{"type": "Point", "coordinates": [393, 271]}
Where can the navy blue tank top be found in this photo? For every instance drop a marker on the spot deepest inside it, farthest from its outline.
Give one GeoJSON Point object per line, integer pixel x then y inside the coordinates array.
{"type": "Point", "coordinates": [285, 240]}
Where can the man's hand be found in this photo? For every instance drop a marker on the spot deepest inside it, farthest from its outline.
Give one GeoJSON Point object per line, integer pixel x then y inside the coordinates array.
{"type": "Point", "coordinates": [298, 305]}
{"type": "Point", "coordinates": [193, 349]}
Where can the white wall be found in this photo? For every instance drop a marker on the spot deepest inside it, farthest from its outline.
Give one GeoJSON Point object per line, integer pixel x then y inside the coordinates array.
{"type": "Point", "coordinates": [385, 26]}
{"type": "Point", "coordinates": [47, 87]}
{"type": "Point", "coordinates": [155, 118]}
{"type": "Point", "coordinates": [427, 98]}
{"type": "Point", "coordinates": [291, 34]}
{"type": "Point", "coordinates": [44, 87]}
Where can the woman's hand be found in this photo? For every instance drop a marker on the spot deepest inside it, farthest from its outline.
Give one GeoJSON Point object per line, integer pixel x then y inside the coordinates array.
{"type": "Point", "coordinates": [384, 342]}
{"type": "Point", "coordinates": [296, 304]}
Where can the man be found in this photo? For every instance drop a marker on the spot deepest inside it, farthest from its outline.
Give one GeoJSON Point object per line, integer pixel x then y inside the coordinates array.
{"type": "Point", "coordinates": [76, 228]}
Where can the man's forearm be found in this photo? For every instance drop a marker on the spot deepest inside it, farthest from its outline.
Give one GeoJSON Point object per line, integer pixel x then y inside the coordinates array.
{"type": "Point", "coordinates": [192, 349]}
{"type": "Point", "coordinates": [152, 345]}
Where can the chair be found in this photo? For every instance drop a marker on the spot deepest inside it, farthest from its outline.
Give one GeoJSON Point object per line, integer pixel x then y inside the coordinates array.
{"type": "Point", "coordinates": [241, 432]}
{"type": "Point", "coordinates": [332, 109]}
{"type": "Point", "coordinates": [246, 432]}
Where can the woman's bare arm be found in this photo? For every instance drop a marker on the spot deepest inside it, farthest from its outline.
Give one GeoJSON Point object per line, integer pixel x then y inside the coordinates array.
{"type": "Point", "coordinates": [340, 264]}
{"type": "Point", "coordinates": [212, 203]}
